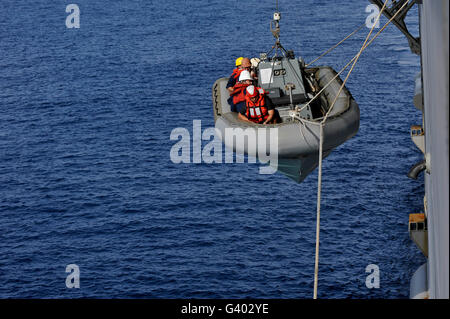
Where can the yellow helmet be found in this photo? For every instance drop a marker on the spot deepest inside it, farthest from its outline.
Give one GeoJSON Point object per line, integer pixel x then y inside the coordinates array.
{"type": "Point", "coordinates": [239, 61]}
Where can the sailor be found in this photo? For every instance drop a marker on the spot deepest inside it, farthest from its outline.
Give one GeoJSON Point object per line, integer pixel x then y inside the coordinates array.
{"type": "Point", "coordinates": [237, 97]}
{"type": "Point", "coordinates": [241, 65]}
{"type": "Point", "coordinates": [255, 64]}
{"type": "Point", "coordinates": [259, 108]}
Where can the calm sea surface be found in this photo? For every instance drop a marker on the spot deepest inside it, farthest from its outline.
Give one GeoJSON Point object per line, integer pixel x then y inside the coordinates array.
{"type": "Point", "coordinates": [86, 177]}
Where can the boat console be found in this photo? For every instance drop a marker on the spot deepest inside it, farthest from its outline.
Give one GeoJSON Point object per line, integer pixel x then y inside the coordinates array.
{"type": "Point", "coordinates": [284, 81]}
{"type": "Point", "coordinates": [282, 76]}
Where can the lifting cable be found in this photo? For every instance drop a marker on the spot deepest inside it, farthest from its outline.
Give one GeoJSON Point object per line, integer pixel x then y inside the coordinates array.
{"type": "Point", "coordinates": [319, 186]}
{"type": "Point", "coordinates": [353, 59]}
{"type": "Point", "coordinates": [336, 45]}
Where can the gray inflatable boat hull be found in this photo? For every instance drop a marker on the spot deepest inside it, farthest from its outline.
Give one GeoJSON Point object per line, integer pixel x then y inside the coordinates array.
{"type": "Point", "coordinates": [298, 143]}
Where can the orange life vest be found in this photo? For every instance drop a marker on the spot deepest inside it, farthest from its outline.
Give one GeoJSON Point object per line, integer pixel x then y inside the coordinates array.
{"type": "Point", "coordinates": [257, 112]}
{"type": "Point", "coordinates": [236, 73]}
{"type": "Point", "coordinates": [239, 92]}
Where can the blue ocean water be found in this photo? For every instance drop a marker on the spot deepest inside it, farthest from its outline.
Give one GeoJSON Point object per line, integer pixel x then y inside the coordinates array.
{"type": "Point", "coordinates": [86, 177]}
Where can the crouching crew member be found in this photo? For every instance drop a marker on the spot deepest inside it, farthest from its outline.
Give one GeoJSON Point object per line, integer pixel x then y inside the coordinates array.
{"type": "Point", "coordinates": [241, 65]}
{"type": "Point", "coordinates": [237, 97]}
{"type": "Point", "coordinates": [259, 108]}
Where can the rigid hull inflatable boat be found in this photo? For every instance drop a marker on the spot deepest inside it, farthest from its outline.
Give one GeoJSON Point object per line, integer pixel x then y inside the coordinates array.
{"type": "Point", "coordinates": [291, 87]}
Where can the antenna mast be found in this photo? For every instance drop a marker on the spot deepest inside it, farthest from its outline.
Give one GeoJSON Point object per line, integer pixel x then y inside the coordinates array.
{"type": "Point", "coordinates": [275, 29]}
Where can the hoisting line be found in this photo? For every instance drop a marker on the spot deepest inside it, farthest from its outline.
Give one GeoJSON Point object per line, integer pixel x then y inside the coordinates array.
{"type": "Point", "coordinates": [319, 186]}
{"type": "Point", "coordinates": [353, 59]}
{"type": "Point", "coordinates": [336, 45]}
